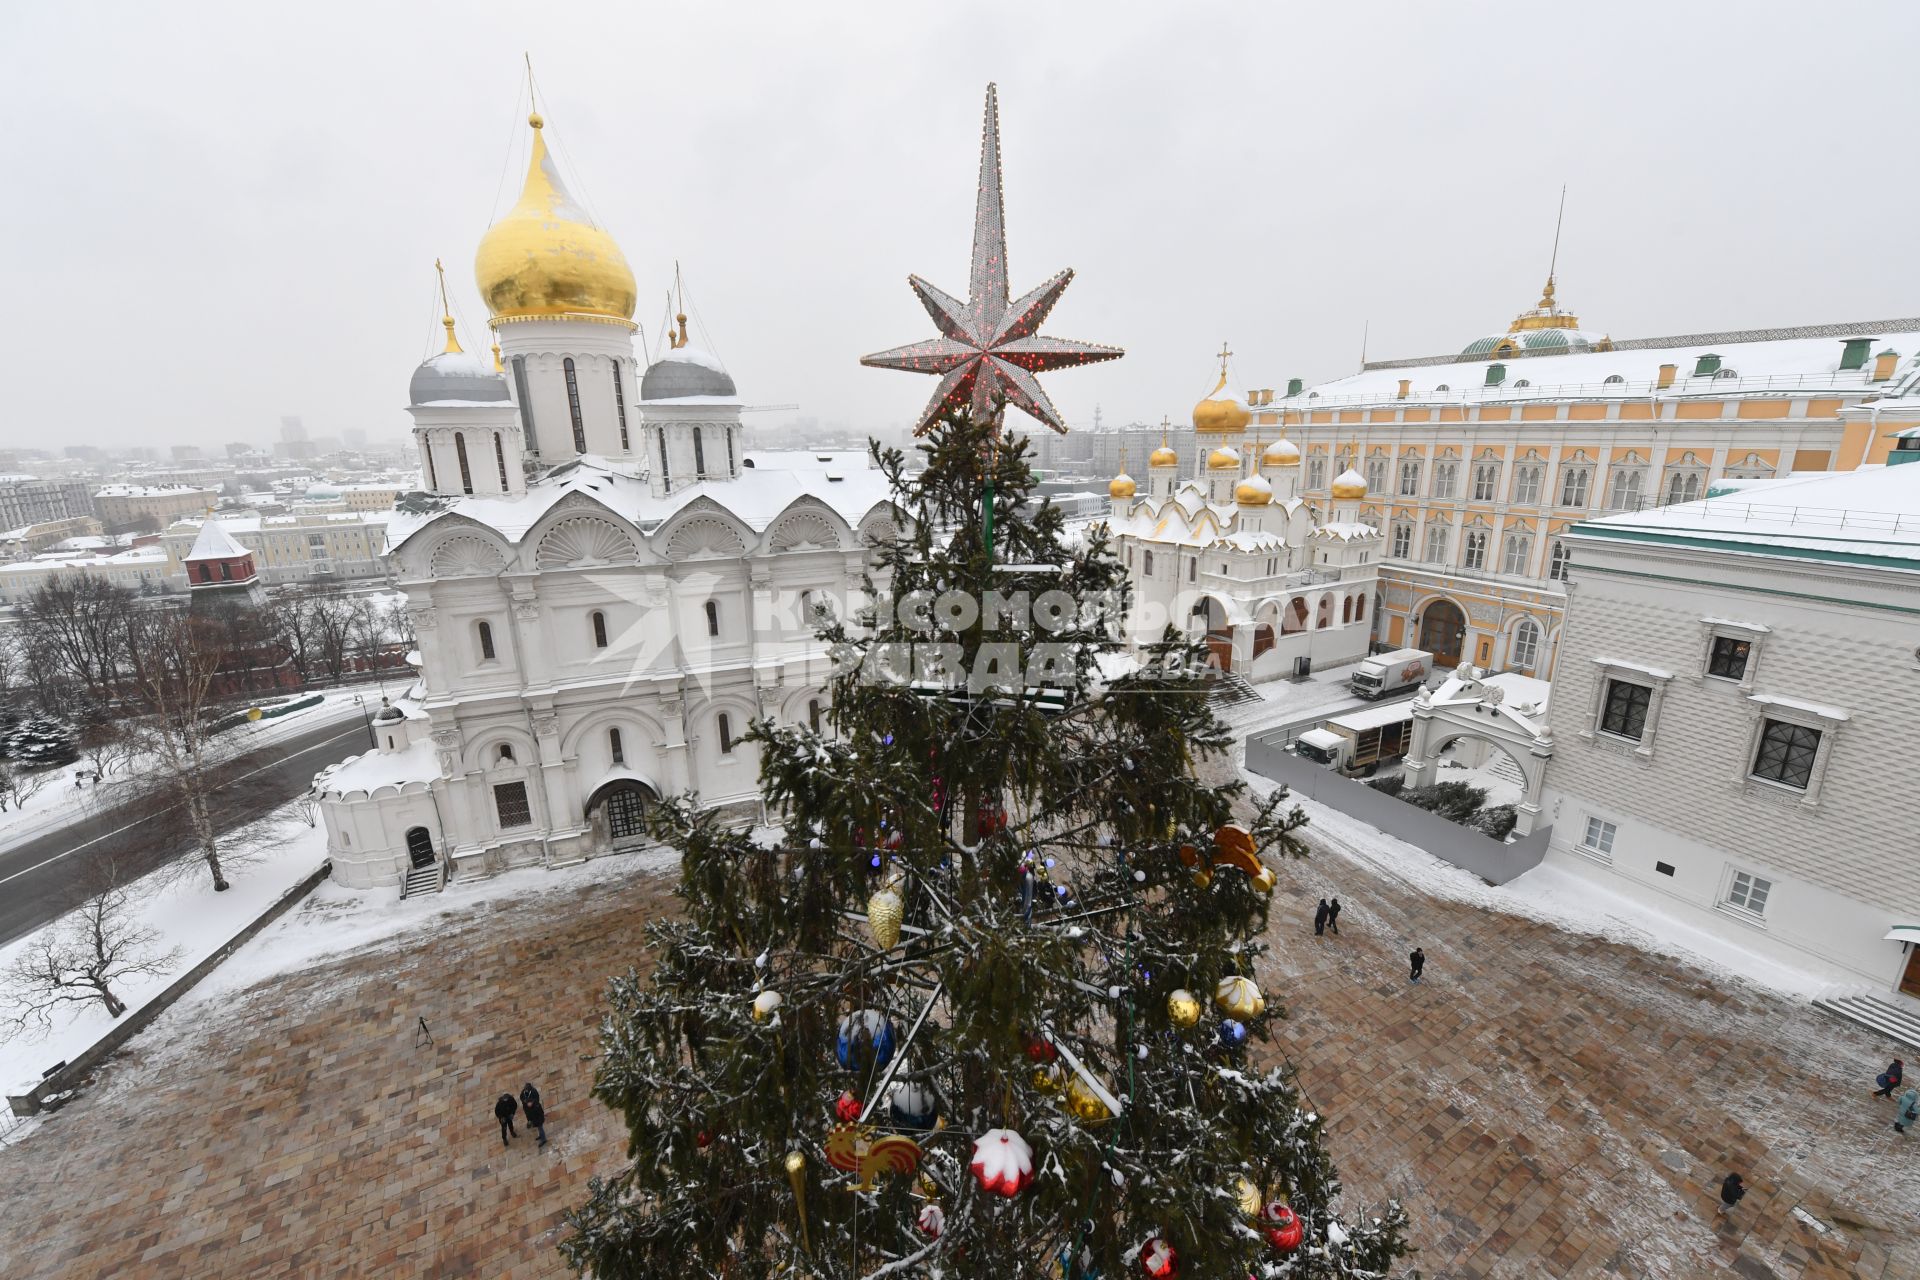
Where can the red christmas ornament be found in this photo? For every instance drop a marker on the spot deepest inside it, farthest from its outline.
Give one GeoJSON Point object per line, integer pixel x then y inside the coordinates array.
{"type": "Point", "coordinates": [932, 1221]}
{"type": "Point", "coordinates": [1041, 1049]}
{"type": "Point", "coordinates": [1002, 1162]}
{"type": "Point", "coordinates": [847, 1108]}
{"type": "Point", "coordinates": [1158, 1259]}
{"type": "Point", "coordinates": [1285, 1231]}
{"type": "Point", "coordinates": [703, 1139]}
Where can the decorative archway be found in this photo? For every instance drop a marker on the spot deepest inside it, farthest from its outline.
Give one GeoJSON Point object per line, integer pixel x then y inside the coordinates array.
{"type": "Point", "coordinates": [618, 809]}
{"type": "Point", "coordinates": [1507, 712]}
{"type": "Point", "coordinates": [1209, 621]}
{"type": "Point", "coordinates": [1294, 618]}
{"type": "Point", "coordinates": [1443, 630]}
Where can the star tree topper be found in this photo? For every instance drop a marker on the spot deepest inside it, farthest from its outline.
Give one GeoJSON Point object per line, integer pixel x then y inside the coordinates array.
{"type": "Point", "coordinates": [990, 348]}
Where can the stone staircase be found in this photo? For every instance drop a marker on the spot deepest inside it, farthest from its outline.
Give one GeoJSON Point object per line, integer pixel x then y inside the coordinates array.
{"type": "Point", "coordinates": [1230, 689]}
{"type": "Point", "coordinates": [1897, 1022]}
{"type": "Point", "coordinates": [422, 880]}
{"type": "Point", "coordinates": [1503, 768]}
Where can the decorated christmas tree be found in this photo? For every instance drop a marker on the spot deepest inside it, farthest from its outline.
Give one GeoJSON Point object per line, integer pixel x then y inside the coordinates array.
{"type": "Point", "coordinates": [990, 1004]}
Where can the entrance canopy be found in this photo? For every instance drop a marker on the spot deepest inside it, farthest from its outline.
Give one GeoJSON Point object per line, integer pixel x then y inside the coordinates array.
{"type": "Point", "coordinates": [1903, 933]}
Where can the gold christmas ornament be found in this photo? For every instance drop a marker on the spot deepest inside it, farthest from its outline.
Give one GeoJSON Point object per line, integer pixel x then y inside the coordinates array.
{"type": "Point", "coordinates": [1184, 1008]}
{"type": "Point", "coordinates": [797, 1175]}
{"type": "Point", "coordinates": [765, 1005]}
{"type": "Point", "coordinates": [1239, 998]}
{"type": "Point", "coordinates": [1248, 1197]}
{"type": "Point", "coordinates": [1084, 1105]}
{"type": "Point", "coordinates": [885, 912]}
{"type": "Point", "coordinates": [1264, 881]}
{"type": "Point", "coordinates": [1046, 1079]}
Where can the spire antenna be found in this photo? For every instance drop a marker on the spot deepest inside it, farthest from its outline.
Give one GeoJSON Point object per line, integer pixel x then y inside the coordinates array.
{"type": "Point", "coordinates": [446, 310]}
{"type": "Point", "coordinates": [1554, 261]}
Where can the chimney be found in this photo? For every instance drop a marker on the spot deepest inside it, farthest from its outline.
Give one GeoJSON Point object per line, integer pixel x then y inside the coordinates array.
{"type": "Point", "coordinates": [1667, 371]}
{"type": "Point", "coordinates": [1496, 374]}
{"type": "Point", "coordinates": [1853, 352]}
{"type": "Point", "coordinates": [1294, 386]}
{"type": "Point", "coordinates": [1883, 364]}
{"type": "Point", "coordinates": [1405, 384]}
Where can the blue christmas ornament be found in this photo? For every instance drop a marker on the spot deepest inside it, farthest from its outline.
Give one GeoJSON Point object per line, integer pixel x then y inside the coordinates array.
{"type": "Point", "coordinates": [1233, 1034]}
{"type": "Point", "coordinates": [865, 1042]}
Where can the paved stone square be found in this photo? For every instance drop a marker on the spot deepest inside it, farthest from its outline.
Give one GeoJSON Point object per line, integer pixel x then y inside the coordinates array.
{"type": "Point", "coordinates": [1547, 1105]}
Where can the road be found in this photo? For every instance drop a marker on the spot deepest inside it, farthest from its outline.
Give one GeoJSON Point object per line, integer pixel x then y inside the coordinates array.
{"type": "Point", "coordinates": [41, 878]}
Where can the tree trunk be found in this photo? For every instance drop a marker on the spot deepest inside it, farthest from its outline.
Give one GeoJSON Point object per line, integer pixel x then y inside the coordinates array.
{"type": "Point", "coordinates": [202, 821]}
{"type": "Point", "coordinates": [114, 1006]}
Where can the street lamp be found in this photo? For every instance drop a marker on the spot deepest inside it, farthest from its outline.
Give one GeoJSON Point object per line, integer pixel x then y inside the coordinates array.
{"type": "Point", "coordinates": [360, 701]}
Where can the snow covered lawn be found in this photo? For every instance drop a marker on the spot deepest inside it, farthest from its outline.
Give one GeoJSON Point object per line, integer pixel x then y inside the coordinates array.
{"type": "Point", "coordinates": [266, 860]}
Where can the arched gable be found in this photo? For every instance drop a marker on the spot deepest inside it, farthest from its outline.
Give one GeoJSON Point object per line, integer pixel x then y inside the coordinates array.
{"type": "Point", "coordinates": [702, 530]}
{"type": "Point", "coordinates": [482, 753]}
{"type": "Point", "coordinates": [807, 524]}
{"type": "Point", "coordinates": [469, 552]}
{"type": "Point", "coordinates": [600, 721]}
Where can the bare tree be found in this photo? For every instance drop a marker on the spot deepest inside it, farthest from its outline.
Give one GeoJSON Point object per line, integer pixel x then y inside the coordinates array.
{"type": "Point", "coordinates": [17, 785]}
{"type": "Point", "coordinates": [177, 657]}
{"type": "Point", "coordinates": [76, 961]}
{"type": "Point", "coordinates": [73, 628]}
{"type": "Point", "coordinates": [292, 622]}
{"type": "Point", "coordinates": [332, 620]}
{"type": "Point", "coordinates": [108, 746]}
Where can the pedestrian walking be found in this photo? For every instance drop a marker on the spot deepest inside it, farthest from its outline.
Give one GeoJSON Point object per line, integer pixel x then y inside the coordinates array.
{"type": "Point", "coordinates": [1909, 1112]}
{"type": "Point", "coordinates": [1889, 1080]}
{"type": "Point", "coordinates": [535, 1113]}
{"type": "Point", "coordinates": [504, 1110]}
{"type": "Point", "coordinates": [1731, 1191]}
{"type": "Point", "coordinates": [1416, 962]}
{"type": "Point", "coordinates": [1320, 919]}
{"type": "Point", "coordinates": [1333, 915]}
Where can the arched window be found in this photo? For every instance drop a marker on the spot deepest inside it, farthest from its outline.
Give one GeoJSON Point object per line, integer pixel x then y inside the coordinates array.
{"type": "Point", "coordinates": [1557, 562]}
{"type": "Point", "coordinates": [813, 715]}
{"type": "Point", "coordinates": [1684, 486]}
{"type": "Point", "coordinates": [1346, 610]}
{"type": "Point", "coordinates": [226, 571]}
{"type": "Point", "coordinates": [1359, 608]}
{"type": "Point", "coordinates": [433, 476]}
{"type": "Point", "coordinates": [1513, 560]}
{"type": "Point", "coordinates": [699, 455]}
{"type": "Point", "coordinates": [526, 403]}
{"type": "Point", "coordinates": [599, 629]}
{"type": "Point", "coordinates": [620, 405]}
{"type": "Point", "coordinates": [505, 756]}
{"type": "Point", "coordinates": [1146, 563]}
{"type": "Point", "coordinates": [1613, 379]}
{"type": "Point", "coordinates": [730, 467]}
{"type": "Point", "coordinates": [573, 407]}
{"type": "Point", "coordinates": [389, 742]}
{"type": "Point", "coordinates": [500, 456]}
{"type": "Point", "coordinates": [725, 728]}
{"type": "Point", "coordinates": [713, 618]}
{"type": "Point", "coordinates": [466, 472]}
{"type": "Point", "coordinates": [485, 632]}
{"type": "Point", "coordinates": [1475, 556]}
{"type": "Point", "coordinates": [1526, 645]}
{"type": "Point", "coordinates": [614, 746]}
{"type": "Point", "coordinates": [666, 476]}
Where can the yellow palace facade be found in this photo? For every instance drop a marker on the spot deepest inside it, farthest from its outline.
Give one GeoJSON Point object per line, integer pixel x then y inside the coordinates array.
{"type": "Point", "coordinates": [1477, 464]}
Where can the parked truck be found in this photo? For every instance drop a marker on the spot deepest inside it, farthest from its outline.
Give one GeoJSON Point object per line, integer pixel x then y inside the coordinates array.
{"type": "Point", "coordinates": [1358, 743]}
{"type": "Point", "coordinates": [1384, 673]}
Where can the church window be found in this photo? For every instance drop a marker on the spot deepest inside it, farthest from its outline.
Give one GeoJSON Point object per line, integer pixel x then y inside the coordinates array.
{"type": "Point", "coordinates": [1146, 564]}
{"type": "Point", "coordinates": [389, 742]}
{"type": "Point", "coordinates": [466, 473]}
{"type": "Point", "coordinates": [485, 632]}
{"type": "Point", "coordinates": [620, 406]}
{"type": "Point", "coordinates": [1557, 562]}
{"type": "Point", "coordinates": [599, 629]}
{"type": "Point", "coordinates": [500, 457]}
{"type": "Point", "coordinates": [1514, 559]}
{"type": "Point", "coordinates": [573, 407]}
{"type": "Point", "coordinates": [615, 746]}
{"type": "Point", "coordinates": [713, 618]}
{"type": "Point", "coordinates": [1573, 486]}
{"type": "Point", "coordinates": [1346, 610]}
{"type": "Point", "coordinates": [526, 402]}
{"type": "Point", "coordinates": [433, 477]}
{"type": "Point", "coordinates": [699, 455]}
{"type": "Point", "coordinates": [731, 468]}
{"type": "Point", "coordinates": [1475, 553]}
{"type": "Point", "coordinates": [725, 727]}
{"type": "Point", "coordinates": [1526, 485]}
{"type": "Point", "coordinates": [1359, 608]}
{"type": "Point", "coordinates": [510, 805]}
{"type": "Point", "coordinates": [813, 715]}
{"type": "Point", "coordinates": [1193, 569]}
{"type": "Point", "coordinates": [505, 755]}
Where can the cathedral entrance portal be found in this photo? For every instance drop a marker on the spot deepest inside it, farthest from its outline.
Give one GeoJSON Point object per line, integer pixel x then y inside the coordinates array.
{"type": "Point", "coordinates": [1443, 628]}
{"type": "Point", "coordinates": [619, 812]}
{"type": "Point", "coordinates": [420, 847]}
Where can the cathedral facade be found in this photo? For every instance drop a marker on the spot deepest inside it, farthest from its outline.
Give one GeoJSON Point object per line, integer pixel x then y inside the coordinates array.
{"type": "Point", "coordinates": [607, 588]}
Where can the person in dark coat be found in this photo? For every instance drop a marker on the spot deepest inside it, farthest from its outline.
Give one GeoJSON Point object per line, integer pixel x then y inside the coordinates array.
{"type": "Point", "coordinates": [1415, 963]}
{"type": "Point", "coordinates": [1333, 915]}
{"type": "Point", "coordinates": [536, 1114]}
{"type": "Point", "coordinates": [1320, 919]}
{"type": "Point", "coordinates": [504, 1110]}
{"type": "Point", "coordinates": [1730, 1192]}
{"type": "Point", "coordinates": [1889, 1080]}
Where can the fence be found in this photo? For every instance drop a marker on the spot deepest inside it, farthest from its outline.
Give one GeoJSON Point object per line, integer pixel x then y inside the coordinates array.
{"type": "Point", "coordinates": [1492, 860]}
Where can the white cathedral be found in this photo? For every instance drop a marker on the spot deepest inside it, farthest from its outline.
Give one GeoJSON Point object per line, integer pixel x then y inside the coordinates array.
{"type": "Point", "coordinates": [599, 637]}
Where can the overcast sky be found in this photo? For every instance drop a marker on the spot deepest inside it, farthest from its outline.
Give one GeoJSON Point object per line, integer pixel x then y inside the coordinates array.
{"type": "Point", "coordinates": [219, 214]}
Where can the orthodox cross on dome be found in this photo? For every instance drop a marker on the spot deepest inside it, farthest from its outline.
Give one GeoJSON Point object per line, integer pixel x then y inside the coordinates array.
{"type": "Point", "coordinates": [1226, 354]}
{"type": "Point", "coordinates": [990, 348]}
{"type": "Point", "coordinates": [446, 311]}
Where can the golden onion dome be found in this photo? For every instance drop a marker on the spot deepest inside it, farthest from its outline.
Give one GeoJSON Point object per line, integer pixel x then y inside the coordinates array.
{"type": "Point", "coordinates": [1218, 414]}
{"type": "Point", "coordinates": [1254, 491]}
{"type": "Point", "coordinates": [547, 258]}
{"type": "Point", "coordinates": [1163, 457]}
{"type": "Point", "coordinates": [1223, 460]}
{"type": "Point", "coordinates": [1121, 486]}
{"type": "Point", "coordinates": [1349, 484]}
{"type": "Point", "coordinates": [1281, 453]}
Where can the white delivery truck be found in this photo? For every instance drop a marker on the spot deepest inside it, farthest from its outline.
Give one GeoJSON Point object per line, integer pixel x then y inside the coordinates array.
{"type": "Point", "coordinates": [1384, 673]}
{"type": "Point", "coordinates": [1358, 742]}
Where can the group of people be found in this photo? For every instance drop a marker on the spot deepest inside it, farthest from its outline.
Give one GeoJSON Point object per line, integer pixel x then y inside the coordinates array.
{"type": "Point", "coordinates": [1326, 917]}
{"type": "Point", "coordinates": [1906, 1111]}
{"type": "Point", "coordinates": [506, 1109]}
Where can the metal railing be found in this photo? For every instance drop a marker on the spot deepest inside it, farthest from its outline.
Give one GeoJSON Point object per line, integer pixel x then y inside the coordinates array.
{"type": "Point", "coordinates": [1689, 386]}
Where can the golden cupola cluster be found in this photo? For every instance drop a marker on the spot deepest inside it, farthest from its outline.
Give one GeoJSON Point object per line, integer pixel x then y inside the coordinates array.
{"type": "Point", "coordinates": [1281, 453]}
{"type": "Point", "coordinates": [1220, 414]}
{"type": "Point", "coordinates": [547, 258]}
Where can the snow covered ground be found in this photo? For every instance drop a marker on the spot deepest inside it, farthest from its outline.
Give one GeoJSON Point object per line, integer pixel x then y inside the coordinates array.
{"type": "Point", "coordinates": [268, 858]}
{"type": "Point", "coordinates": [1550, 895]}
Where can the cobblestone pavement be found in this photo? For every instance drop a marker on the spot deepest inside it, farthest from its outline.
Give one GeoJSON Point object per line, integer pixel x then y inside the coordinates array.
{"type": "Point", "coordinates": [1546, 1104]}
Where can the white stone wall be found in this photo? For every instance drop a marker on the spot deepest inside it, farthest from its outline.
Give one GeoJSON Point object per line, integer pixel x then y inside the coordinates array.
{"type": "Point", "coordinates": [1843, 856]}
{"type": "Point", "coordinates": [545, 344]}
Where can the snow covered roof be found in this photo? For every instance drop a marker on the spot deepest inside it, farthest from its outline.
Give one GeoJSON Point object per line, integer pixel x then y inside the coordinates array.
{"type": "Point", "coordinates": [148, 490]}
{"type": "Point", "coordinates": [1754, 362]}
{"type": "Point", "coordinates": [1864, 516]}
{"type": "Point", "coordinates": [1346, 530]}
{"type": "Point", "coordinates": [215, 543]}
{"type": "Point", "coordinates": [1509, 698]}
{"type": "Point", "coordinates": [766, 487]}
{"type": "Point", "coordinates": [415, 763]}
